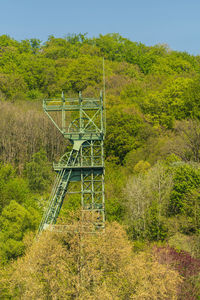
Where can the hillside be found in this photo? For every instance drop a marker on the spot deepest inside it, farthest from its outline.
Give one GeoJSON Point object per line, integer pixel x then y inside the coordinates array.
{"type": "Point", "coordinates": [152, 152]}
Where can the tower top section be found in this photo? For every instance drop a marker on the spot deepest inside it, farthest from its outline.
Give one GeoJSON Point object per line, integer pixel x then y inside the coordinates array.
{"type": "Point", "coordinates": [77, 118]}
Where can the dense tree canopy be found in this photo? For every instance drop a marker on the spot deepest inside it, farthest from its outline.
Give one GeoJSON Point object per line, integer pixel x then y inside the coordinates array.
{"type": "Point", "coordinates": [152, 153]}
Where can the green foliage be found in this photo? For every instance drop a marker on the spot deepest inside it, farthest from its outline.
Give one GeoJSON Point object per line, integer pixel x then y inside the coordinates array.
{"type": "Point", "coordinates": [15, 222]}
{"type": "Point", "coordinates": [7, 172]}
{"type": "Point", "coordinates": [16, 189]}
{"type": "Point", "coordinates": [70, 209]}
{"type": "Point", "coordinates": [155, 226]}
{"type": "Point", "coordinates": [35, 45]}
{"type": "Point", "coordinates": [141, 167]}
{"type": "Point", "coordinates": [6, 41]}
{"type": "Point", "coordinates": [151, 150]}
{"type": "Point", "coordinates": [115, 180]}
{"type": "Point", "coordinates": [191, 99]}
{"type": "Point", "coordinates": [38, 172]}
{"type": "Point", "coordinates": [12, 187]}
{"type": "Point", "coordinates": [82, 73]}
{"type": "Point", "coordinates": [181, 241]}
{"type": "Point", "coordinates": [163, 201]}
{"type": "Point", "coordinates": [34, 94]}
{"type": "Point", "coordinates": [12, 86]}
{"type": "Point", "coordinates": [165, 106]}
{"type": "Point", "coordinates": [122, 130]}
{"type": "Point", "coordinates": [186, 178]}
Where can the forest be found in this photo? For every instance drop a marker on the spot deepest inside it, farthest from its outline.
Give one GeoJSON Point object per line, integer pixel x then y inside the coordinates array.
{"type": "Point", "coordinates": [151, 245]}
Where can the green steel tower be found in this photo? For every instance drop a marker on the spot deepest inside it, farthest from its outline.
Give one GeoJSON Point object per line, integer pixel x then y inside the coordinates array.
{"type": "Point", "coordinates": [81, 170]}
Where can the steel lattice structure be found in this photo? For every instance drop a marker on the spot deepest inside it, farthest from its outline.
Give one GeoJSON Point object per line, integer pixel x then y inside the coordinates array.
{"type": "Point", "coordinates": [82, 122]}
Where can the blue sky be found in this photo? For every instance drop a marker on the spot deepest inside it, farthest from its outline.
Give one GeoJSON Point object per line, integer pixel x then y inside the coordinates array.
{"type": "Point", "coordinates": [172, 22]}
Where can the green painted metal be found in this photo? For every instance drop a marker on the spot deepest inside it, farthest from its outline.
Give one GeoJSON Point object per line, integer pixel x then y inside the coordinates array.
{"type": "Point", "coordinates": [82, 122]}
